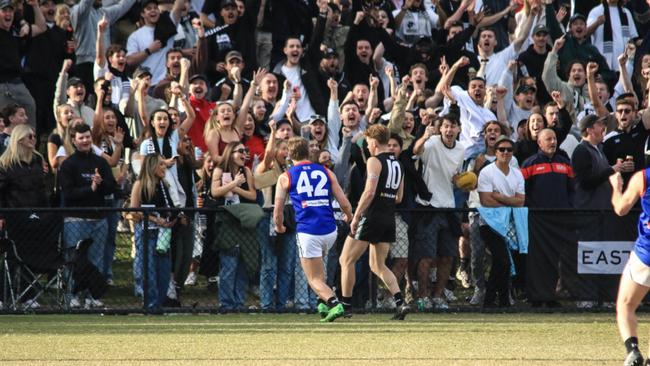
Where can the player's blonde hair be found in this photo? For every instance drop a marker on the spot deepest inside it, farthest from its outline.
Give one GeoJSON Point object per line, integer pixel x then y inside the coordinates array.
{"type": "Point", "coordinates": [298, 148]}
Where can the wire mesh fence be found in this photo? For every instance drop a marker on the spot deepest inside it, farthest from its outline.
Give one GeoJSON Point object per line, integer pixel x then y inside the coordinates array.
{"type": "Point", "coordinates": [125, 260]}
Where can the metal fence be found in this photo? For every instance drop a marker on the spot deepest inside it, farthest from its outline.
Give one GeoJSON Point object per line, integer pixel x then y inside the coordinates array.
{"type": "Point", "coordinates": [102, 260]}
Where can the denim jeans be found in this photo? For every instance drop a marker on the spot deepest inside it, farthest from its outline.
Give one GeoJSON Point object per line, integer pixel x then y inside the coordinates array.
{"type": "Point", "coordinates": [112, 219]}
{"type": "Point", "coordinates": [233, 280]}
{"type": "Point", "coordinates": [159, 267]}
{"type": "Point", "coordinates": [277, 266]}
{"type": "Point", "coordinates": [75, 230]}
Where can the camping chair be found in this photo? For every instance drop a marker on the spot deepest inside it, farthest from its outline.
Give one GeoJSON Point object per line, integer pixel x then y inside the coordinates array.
{"type": "Point", "coordinates": [25, 282]}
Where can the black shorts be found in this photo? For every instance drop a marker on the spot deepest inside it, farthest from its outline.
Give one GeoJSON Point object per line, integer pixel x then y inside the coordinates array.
{"type": "Point", "coordinates": [378, 229]}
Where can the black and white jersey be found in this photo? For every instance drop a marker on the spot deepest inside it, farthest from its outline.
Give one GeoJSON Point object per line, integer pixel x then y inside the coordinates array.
{"type": "Point", "coordinates": [390, 178]}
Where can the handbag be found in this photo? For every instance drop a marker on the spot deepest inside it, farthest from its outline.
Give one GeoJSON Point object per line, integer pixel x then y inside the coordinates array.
{"type": "Point", "coordinates": [164, 241]}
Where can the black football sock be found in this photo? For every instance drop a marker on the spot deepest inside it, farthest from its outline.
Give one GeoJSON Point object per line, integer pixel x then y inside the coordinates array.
{"type": "Point", "coordinates": [464, 263]}
{"type": "Point", "coordinates": [347, 302]}
{"type": "Point", "coordinates": [631, 344]}
{"type": "Point", "coordinates": [332, 302]}
{"type": "Point", "coordinates": [399, 299]}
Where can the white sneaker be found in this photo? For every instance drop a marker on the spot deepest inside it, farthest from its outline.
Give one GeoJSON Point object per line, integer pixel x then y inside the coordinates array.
{"type": "Point", "coordinates": [171, 290]}
{"type": "Point", "coordinates": [585, 304]}
{"type": "Point", "coordinates": [439, 303]}
{"type": "Point", "coordinates": [424, 304]}
{"type": "Point", "coordinates": [74, 302]}
{"type": "Point", "coordinates": [110, 282]}
{"type": "Point", "coordinates": [478, 297]}
{"type": "Point", "coordinates": [463, 277]}
{"type": "Point", "coordinates": [191, 279]}
{"type": "Point", "coordinates": [1, 305]}
{"type": "Point", "coordinates": [31, 305]}
{"type": "Point", "coordinates": [449, 295]}
{"type": "Point", "coordinates": [92, 303]}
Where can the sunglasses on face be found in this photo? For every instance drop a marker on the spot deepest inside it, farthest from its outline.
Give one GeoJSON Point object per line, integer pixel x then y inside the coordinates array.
{"type": "Point", "coordinates": [505, 149]}
{"type": "Point", "coordinates": [242, 151]}
{"type": "Point", "coordinates": [623, 111]}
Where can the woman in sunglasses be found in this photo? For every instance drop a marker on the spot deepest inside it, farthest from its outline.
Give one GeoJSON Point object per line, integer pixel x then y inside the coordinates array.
{"type": "Point", "coordinates": [499, 185]}
{"type": "Point", "coordinates": [232, 183]}
{"type": "Point", "coordinates": [22, 184]}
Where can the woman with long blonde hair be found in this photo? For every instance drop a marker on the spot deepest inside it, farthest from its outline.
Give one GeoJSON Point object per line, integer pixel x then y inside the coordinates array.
{"type": "Point", "coordinates": [22, 184]}
{"type": "Point", "coordinates": [151, 190]}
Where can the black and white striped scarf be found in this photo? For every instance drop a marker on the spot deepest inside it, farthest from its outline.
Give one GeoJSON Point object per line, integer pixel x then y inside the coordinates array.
{"type": "Point", "coordinates": [608, 36]}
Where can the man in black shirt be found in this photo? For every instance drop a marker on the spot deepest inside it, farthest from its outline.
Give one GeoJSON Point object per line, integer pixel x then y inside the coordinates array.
{"type": "Point", "coordinates": [374, 220]}
{"type": "Point", "coordinates": [14, 43]}
{"type": "Point", "coordinates": [532, 60]}
{"type": "Point", "coordinates": [85, 180]}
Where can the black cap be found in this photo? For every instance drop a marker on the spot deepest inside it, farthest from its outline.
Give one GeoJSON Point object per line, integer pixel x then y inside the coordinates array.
{"type": "Point", "coordinates": [199, 77]}
{"type": "Point", "coordinates": [588, 121]}
{"type": "Point", "coordinates": [540, 28]}
{"type": "Point", "coordinates": [144, 3]}
{"type": "Point", "coordinates": [74, 81]}
{"type": "Point", "coordinates": [328, 53]}
{"type": "Point", "coordinates": [281, 122]}
{"type": "Point", "coordinates": [524, 88]}
{"type": "Point", "coordinates": [141, 71]}
{"type": "Point", "coordinates": [225, 3]}
{"type": "Point", "coordinates": [6, 4]}
{"type": "Point", "coordinates": [577, 16]}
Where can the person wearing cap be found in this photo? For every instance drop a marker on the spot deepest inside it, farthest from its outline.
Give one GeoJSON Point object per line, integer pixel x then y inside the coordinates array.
{"type": "Point", "coordinates": [499, 185]}
{"type": "Point", "coordinates": [612, 32]}
{"type": "Point", "coordinates": [591, 167]}
{"type": "Point", "coordinates": [84, 17]}
{"type": "Point", "coordinates": [493, 63]}
{"type": "Point", "coordinates": [577, 43]}
{"type": "Point", "coordinates": [143, 48]}
{"type": "Point", "coordinates": [517, 105]}
{"type": "Point", "coordinates": [531, 61]}
{"type": "Point", "coordinates": [329, 67]}
{"type": "Point", "coordinates": [203, 108]}
{"type": "Point", "coordinates": [72, 91]}
{"type": "Point", "coordinates": [229, 31]}
{"type": "Point", "coordinates": [233, 83]}
{"type": "Point", "coordinates": [11, 57]}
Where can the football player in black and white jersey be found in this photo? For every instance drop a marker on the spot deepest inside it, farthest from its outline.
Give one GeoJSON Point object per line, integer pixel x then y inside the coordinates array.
{"type": "Point", "coordinates": [373, 223]}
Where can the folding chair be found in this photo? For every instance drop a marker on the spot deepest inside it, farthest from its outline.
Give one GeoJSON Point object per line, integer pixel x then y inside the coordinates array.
{"type": "Point", "coordinates": [25, 283]}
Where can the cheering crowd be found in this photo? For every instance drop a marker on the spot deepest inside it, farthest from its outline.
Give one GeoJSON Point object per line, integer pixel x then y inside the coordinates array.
{"type": "Point", "coordinates": [190, 104]}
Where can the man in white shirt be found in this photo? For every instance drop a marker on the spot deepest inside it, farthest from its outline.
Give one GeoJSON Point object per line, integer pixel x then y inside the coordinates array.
{"type": "Point", "coordinates": [472, 113]}
{"type": "Point", "coordinates": [492, 63]}
{"type": "Point", "coordinates": [143, 49]}
{"type": "Point", "coordinates": [436, 234]}
{"type": "Point", "coordinates": [499, 185]}
{"type": "Point", "coordinates": [611, 37]}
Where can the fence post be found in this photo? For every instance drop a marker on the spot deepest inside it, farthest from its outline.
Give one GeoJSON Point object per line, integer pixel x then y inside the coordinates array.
{"type": "Point", "coordinates": [145, 260]}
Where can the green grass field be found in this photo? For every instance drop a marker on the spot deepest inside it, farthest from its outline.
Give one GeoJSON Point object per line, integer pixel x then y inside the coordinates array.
{"type": "Point", "coordinates": [291, 339]}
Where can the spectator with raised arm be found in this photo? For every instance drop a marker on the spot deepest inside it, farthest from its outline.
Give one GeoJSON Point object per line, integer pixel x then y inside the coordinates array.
{"type": "Point", "coordinates": [15, 43]}
{"type": "Point", "coordinates": [74, 95]}
{"type": "Point", "coordinates": [148, 48]}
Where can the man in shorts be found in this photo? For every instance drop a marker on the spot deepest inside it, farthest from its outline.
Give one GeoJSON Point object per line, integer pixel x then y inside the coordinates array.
{"type": "Point", "coordinates": [310, 187]}
{"type": "Point", "coordinates": [374, 219]}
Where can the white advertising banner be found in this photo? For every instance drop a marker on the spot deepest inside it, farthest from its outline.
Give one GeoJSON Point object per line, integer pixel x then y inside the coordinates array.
{"type": "Point", "coordinates": [603, 257]}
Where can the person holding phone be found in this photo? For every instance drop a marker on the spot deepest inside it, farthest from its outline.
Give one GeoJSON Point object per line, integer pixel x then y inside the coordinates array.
{"type": "Point", "coordinates": [233, 183]}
